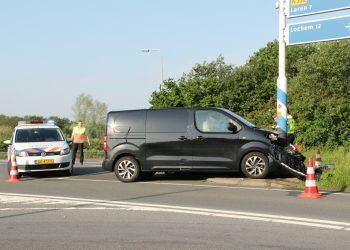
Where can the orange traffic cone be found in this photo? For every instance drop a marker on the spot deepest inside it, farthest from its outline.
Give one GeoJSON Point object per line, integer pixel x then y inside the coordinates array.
{"type": "Point", "coordinates": [318, 162]}
{"type": "Point", "coordinates": [311, 190]}
{"type": "Point", "coordinates": [14, 170]}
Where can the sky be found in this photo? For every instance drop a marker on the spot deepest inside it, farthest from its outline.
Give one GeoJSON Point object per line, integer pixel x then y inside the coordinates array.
{"type": "Point", "coordinates": [51, 51]}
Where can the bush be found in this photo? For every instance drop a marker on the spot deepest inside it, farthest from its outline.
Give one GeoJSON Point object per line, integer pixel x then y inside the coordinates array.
{"type": "Point", "coordinates": [5, 134]}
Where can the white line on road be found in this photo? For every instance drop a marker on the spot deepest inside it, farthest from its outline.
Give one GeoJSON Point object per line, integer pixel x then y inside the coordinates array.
{"type": "Point", "coordinates": [106, 204]}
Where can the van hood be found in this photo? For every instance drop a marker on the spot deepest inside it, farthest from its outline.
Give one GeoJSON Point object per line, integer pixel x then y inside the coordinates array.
{"type": "Point", "coordinates": [39, 147]}
{"type": "Point", "coordinates": [268, 132]}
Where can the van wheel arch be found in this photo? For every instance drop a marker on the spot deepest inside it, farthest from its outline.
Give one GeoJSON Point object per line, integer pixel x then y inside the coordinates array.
{"type": "Point", "coordinates": [124, 155]}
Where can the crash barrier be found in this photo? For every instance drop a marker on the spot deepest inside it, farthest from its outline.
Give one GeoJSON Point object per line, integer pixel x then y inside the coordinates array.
{"type": "Point", "coordinates": [14, 176]}
{"type": "Point", "coordinates": [310, 190]}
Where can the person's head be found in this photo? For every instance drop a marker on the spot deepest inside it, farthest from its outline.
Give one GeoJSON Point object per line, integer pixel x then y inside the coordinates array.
{"type": "Point", "coordinates": [79, 123]}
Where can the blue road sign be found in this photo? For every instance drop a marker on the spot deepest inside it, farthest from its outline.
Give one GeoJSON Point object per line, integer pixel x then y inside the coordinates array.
{"type": "Point", "coordinates": [308, 7]}
{"type": "Point", "coordinates": [319, 30]}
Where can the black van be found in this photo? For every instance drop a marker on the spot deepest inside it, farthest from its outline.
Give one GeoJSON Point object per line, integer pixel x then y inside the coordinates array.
{"type": "Point", "coordinates": [142, 142]}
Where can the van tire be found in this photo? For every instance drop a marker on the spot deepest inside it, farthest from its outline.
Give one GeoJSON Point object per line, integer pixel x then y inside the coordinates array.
{"type": "Point", "coordinates": [255, 165]}
{"type": "Point", "coordinates": [127, 169]}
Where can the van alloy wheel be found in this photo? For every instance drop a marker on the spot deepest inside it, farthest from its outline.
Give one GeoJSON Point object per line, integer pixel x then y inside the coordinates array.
{"type": "Point", "coordinates": [127, 169]}
{"type": "Point", "coordinates": [255, 165]}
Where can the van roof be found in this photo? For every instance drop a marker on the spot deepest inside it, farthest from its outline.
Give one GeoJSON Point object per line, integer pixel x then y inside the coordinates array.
{"type": "Point", "coordinates": [172, 108]}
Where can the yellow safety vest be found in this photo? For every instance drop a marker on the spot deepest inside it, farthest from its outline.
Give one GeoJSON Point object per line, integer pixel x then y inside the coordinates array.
{"type": "Point", "coordinates": [79, 135]}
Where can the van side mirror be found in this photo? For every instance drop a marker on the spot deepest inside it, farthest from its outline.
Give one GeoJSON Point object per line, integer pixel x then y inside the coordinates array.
{"type": "Point", "coordinates": [231, 127]}
{"type": "Point", "coordinates": [7, 142]}
{"type": "Point", "coordinates": [69, 140]}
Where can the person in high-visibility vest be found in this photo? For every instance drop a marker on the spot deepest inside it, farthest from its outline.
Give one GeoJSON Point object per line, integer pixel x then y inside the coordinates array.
{"type": "Point", "coordinates": [78, 138]}
{"type": "Point", "coordinates": [291, 128]}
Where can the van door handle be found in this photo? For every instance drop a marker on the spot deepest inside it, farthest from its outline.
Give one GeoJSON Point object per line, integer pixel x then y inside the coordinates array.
{"type": "Point", "coordinates": [199, 138]}
{"type": "Point", "coordinates": [182, 138]}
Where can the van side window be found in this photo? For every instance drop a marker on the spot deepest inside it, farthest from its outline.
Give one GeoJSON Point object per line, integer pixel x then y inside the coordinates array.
{"type": "Point", "coordinates": [167, 121]}
{"type": "Point", "coordinates": [212, 121]}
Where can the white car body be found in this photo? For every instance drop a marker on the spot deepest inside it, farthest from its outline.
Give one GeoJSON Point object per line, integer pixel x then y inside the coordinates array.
{"type": "Point", "coordinates": [41, 153]}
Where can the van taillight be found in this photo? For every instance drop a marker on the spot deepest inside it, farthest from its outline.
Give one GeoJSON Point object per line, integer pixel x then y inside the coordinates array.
{"type": "Point", "coordinates": [105, 143]}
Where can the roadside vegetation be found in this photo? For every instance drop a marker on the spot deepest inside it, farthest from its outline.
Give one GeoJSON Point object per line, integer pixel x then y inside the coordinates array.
{"type": "Point", "coordinates": [318, 94]}
{"type": "Point", "coordinates": [335, 179]}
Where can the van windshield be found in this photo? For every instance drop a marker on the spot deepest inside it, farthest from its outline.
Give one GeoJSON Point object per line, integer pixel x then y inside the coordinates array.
{"type": "Point", "coordinates": [38, 135]}
{"type": "Point", "coordinates": [240, 119]}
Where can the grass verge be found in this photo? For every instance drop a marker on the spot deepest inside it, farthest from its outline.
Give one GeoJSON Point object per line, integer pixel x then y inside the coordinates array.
{"type": "Point", "coordinates": [337, 179]}
{"type": "Point", "coordinates": [93, 153]}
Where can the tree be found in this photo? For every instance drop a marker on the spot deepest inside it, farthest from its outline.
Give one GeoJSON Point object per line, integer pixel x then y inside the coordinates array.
{"type": "Point", "coordinates": [321, 96]}
{"type": "Point", "coordinates": [92, 113]}
{"type": "Point", "coordinates": [64, 123]}
{"type": "Point", "coordinates": [203, 86]}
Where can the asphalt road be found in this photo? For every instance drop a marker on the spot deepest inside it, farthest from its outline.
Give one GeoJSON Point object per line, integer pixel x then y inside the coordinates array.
{"type": "Point", "coordinates": [92, 210]}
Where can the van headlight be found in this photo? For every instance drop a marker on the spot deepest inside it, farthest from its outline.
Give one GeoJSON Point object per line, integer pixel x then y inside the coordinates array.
{"type": "Point", "coordinates": [21, 153]}
{"type": "Point", "coordinates": [65, 151]}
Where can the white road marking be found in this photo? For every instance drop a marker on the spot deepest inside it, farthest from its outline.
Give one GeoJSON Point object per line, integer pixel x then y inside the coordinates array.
{"type": "Point", "coordinates": [93, 204]}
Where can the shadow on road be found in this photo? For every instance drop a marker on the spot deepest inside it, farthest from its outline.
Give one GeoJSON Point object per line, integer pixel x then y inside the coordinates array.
{"type": "Point", "coordinates": [78, 171]}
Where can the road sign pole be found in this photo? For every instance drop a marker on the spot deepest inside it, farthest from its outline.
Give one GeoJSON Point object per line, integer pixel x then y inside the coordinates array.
{"type": "Point", "coordinates": [282, 100]}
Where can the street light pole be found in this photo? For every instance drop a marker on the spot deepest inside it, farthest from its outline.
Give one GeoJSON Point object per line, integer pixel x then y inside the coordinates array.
{"type": "Point", "coordinates": [161, 62]}
{"type": "Point", "coordinates": [282, 84]}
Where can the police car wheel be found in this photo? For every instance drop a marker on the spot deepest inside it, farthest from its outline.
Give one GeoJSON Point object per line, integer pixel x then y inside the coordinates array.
{"type": "Point", "coordinates": [255, 165]}
{"type": "Point", "coordinates": [68, 172]}
{"type": "Point", "coordinates": [127, 169]}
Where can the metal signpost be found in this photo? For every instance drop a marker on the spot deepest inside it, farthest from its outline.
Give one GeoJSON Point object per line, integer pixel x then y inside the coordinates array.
{"type": "Point", "coordinates": [319, 30]}
{"type": "Point", "coordinates": [305, 32]}
{"type": "Point", "coordinates": [297, 8]}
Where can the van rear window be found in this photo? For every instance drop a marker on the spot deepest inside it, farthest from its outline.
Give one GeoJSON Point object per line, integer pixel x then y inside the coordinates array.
{"type": "Point", "coordinates": [126, 122]}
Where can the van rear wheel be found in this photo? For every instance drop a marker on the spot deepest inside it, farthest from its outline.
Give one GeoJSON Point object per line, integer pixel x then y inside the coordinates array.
{"type": "Point", "coordinates": [255, 165]}
{"type": "Point", "coordinates": [127, 169]}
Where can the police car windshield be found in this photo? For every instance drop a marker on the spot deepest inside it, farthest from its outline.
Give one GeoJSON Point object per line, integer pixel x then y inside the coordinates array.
{"type": "Point", "coordinates": [240, 119]}
{"type": "Point", "coordinates": [38, 135]}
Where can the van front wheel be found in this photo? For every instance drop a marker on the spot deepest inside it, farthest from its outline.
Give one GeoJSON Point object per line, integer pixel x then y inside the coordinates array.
{"type": "Point", "coordinates": [127, 169]}
{"type": "Point", "coordinates": [255, 165]}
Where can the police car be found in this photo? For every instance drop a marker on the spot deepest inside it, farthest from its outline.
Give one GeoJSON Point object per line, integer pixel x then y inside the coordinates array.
{"type": "Point", "coordinates": [38, 147]}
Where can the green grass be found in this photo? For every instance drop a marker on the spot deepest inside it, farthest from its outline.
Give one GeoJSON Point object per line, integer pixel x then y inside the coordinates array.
{"type": "Point", "coordinates": [93, 153]}
{"type": "Point", "coordinates": [337, 179]}
{"type": "Point", "coordinates": [3, 155]}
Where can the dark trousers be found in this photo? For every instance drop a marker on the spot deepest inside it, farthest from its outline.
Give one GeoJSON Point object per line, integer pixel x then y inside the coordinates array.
{"type": "Point", "coordinates": [79, 146]}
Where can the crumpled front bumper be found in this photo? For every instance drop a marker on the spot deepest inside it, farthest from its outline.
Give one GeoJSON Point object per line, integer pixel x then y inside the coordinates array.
{"type": "Point", "coordinates": [289, 159]}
